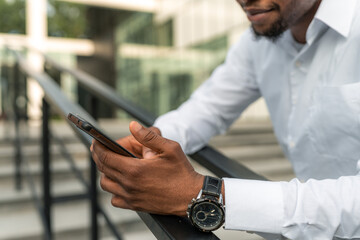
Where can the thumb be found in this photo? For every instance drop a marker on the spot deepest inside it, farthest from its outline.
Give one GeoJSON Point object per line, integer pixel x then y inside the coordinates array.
{"type": "Point", "coordinates": [147, 137]}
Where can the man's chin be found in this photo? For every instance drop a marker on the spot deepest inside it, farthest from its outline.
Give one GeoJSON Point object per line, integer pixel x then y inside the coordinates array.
{"type": "Point", "coordinates": [273, 33]}
{"type": "Point", "coordinates": [260, 35]}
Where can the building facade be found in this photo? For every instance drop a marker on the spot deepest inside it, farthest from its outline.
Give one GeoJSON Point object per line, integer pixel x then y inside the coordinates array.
{"type": "Point", "coordinates": [156, 51]}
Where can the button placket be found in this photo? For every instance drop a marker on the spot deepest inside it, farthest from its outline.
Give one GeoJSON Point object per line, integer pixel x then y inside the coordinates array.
{"type": "Point", "coordinates": [294, 86]}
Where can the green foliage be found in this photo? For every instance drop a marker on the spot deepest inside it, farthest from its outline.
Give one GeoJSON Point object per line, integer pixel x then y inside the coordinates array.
{"type": "Point", "coordinates": [12, 16]}
{"type": "Point", "coordinates": [66, 19]}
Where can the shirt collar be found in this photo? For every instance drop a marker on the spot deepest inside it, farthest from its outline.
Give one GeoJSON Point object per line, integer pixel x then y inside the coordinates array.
{"type": "Point", "coordinates": [336, 14]}
{"type": "Point", "coordinates": [333, 14]}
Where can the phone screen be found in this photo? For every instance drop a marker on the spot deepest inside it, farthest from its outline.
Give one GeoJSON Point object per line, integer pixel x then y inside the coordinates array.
{"type": "Point", "coordinates": [98, 135]}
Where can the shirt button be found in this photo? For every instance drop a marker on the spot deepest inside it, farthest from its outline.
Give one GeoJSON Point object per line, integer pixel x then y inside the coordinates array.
{"type": "Point", "coordinates": [292, 144]}
{"type": "Point", "coordinates": [298, 63]}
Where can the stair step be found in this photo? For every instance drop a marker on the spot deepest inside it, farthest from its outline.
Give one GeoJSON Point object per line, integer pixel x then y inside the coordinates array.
{"type": "Point", "coordinates": [247, 139]}
{"type": "Point", "coordinates": [252, 152]}
{"type": "Point", "coordinates": [33, 153]}
{"type": "Point", "coordinates": [11, 197]}
{"type": "Point", "coordinates": [276, 173]}
{"type": "Point", "coordinates": [269, 165]}
{"type": "Point", "coordinates": [67, 218]}
{"type": "Point", "coordinates": [266, 160]}
{"type": "Point", "coordinates": [241, 128]}
{"type": "Point", "coordinates": [60, 169]}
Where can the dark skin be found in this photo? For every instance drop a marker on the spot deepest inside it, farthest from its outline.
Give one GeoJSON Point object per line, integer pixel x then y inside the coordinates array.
{"type": "Point", "coordinates": [296, 15]}
{"type": "Point", "coordinates": [162, 180]}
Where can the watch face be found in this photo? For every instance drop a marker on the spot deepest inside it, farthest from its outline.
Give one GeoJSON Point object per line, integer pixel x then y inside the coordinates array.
{"type": "Point", "coordinates": [207, 215]}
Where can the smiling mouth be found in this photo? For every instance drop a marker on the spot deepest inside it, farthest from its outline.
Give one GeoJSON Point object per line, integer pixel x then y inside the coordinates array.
{"type": "Point", "coordinates": [256, 11]}
{"type": "Point", "coordinates": [258, 15]}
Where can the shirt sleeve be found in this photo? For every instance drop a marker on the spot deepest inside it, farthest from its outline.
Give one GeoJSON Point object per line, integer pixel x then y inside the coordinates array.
{"type": "Point", "coordinates": [316, 209]}
{"type": "Point", "coordinates": [216, 103]}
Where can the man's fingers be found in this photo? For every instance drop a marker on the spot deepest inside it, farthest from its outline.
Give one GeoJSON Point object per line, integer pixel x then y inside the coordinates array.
{"type": "Point", "coordinates": [119, 202]}
{"type": "Point", "coordinates": [122, 195]}
{"type": "Point", "coordinates": [103, 168]}
{"type": "Point", "coordinates": [148, 137]}
{"type": "Point", "coordinates": [118, 198]}
{"type": "Point", "coordinates": [111, 186]}
{"type": "Point", "coordinates": [110, 163]}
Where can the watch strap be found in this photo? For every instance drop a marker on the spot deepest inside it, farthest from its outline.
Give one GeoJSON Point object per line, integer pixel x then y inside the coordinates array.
{"type": "Point", "coordinates": [212, 186]}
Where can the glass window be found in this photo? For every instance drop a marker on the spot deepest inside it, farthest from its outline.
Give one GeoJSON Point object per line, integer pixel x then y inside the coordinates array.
{"type": "Point", "coordinates": [168, 67]}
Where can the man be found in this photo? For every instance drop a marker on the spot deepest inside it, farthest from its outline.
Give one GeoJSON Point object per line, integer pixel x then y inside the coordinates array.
{"type": "Point", "coordinates": [305, 61]}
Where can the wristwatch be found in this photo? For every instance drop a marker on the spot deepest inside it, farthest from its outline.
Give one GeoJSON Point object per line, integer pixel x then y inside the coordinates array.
{"type": "Point", "coordinates": [207, 211]}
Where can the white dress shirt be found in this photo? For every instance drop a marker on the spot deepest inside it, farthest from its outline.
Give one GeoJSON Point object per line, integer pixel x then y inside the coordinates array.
{"type": "Point", "coordinates": [313, 96]}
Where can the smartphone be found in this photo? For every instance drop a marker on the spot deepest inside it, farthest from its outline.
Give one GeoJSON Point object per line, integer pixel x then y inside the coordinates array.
{"type": "Point", "coordinates": [98, 135]}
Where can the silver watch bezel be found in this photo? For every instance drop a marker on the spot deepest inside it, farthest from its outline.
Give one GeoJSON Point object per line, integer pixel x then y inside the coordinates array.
{"type": "Point", "coordinates": [212, 200]}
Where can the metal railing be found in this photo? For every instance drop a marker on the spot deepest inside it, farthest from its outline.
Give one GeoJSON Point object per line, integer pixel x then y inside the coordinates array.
{"type": "Point", "coordinates": [163, 227]}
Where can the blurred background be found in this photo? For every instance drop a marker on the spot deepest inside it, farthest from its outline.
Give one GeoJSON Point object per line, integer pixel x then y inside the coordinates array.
{"type": "Point", "coordinates": [154, 54]}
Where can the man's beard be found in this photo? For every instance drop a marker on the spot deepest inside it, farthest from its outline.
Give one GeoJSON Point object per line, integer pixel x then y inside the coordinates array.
{"type": "Point", "coordinates": [274, 33]}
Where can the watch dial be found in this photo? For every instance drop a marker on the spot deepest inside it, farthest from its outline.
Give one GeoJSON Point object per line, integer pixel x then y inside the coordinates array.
{"type": "Point", "coordinates": [207, 215]}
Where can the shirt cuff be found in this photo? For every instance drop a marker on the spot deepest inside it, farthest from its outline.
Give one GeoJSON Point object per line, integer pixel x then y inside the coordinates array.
{"type": "Point", "coordinates": [253, 205]}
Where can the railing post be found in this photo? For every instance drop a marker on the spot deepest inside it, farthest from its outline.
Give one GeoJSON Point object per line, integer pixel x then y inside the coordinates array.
{"type": "Point", "coordinates": [18, 156]}
{"type": "Point", "coordinates": [93, 182]}
{"type": "Point", "coordinates": [46, 166]}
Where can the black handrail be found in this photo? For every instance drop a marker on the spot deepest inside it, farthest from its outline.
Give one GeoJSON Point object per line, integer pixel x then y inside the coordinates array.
{"type": "Point", "coordinates": [163, 227]}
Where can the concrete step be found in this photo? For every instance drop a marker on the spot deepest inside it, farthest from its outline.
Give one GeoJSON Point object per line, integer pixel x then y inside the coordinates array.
{"type": "Point", "coordinates": [60, 186]}
{"type": "Point", "coordinates": [271, 165]}
{"type": "Point", "coordinates": [252, 152]}
{"type": "Point", "coordinates": [60, 169]}
{"type": "Point", "coordinates": [266, 160]}
{"type": "Point", "coordinates": [69, 219]}
{"type": "Point", "coordinates": [33, 153]}
{"type": "Point", "coordinates": [241, 127]}
{"type": "Point", "coordinates": [274, 169]}
{"type": "Point", "coordinates": [244, 139]}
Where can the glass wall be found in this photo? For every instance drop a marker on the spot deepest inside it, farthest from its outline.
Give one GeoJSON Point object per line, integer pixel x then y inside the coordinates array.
{"type": "Point", "coordinates": [159, 62]}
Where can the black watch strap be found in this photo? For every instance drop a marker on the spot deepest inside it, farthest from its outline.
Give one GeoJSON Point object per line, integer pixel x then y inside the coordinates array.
{"type": "Point", "coordinates": [212, 186]}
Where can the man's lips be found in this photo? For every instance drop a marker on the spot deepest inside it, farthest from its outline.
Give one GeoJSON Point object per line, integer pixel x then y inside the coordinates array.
{"type": "Point", "coordinates": [257, 14]}
{"type": "Point", "coordinates": [254, 11]}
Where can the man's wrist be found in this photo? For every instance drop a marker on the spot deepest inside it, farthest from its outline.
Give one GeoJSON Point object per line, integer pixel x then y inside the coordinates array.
{"type": "Point", "coordinates": [194, 191]}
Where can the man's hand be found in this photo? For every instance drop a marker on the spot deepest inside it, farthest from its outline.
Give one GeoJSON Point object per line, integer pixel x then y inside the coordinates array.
{"type": "Point", "coordinates": [135, 147]}
{"type": "Point", "coordinates": [162, 181]}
